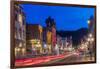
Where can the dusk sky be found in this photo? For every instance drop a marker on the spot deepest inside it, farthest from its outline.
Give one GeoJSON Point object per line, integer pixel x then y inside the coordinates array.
{"type": "Point", "coordinates": [66, 18]}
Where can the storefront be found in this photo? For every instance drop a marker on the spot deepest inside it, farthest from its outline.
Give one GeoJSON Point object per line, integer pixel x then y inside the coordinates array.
{"type": "Point", "coordinates": [20, 50]}
{"type": "Point", "coordinates": [36, 46]}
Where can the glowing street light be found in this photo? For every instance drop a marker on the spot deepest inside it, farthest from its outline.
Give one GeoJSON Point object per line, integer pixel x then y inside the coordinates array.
{"type": "Point", "coordinates": [92, 39]}
{"type": "Point", "coordinates": [90, 35]}
{"type": "Point", "coordinates": [88, 39]}
{"type": "Point", "coordinates": [88, 21]}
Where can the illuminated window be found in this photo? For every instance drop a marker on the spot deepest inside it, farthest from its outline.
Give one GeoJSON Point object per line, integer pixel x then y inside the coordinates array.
{"type": "Point", "coordinates": [20, 19]}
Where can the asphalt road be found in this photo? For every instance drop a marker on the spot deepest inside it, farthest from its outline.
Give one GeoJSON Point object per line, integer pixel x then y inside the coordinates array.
{"type": "Point", "coordinates": [69, 59]}
{"type": "Point", "coordinates": [53, 60]}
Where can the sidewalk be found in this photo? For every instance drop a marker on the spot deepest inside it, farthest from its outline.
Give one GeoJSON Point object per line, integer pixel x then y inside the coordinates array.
{"type": "Point", "coordinates": [84, 59]}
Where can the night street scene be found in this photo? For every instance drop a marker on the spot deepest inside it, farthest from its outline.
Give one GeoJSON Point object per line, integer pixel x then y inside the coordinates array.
{"type": "Point", "coordinates": [50, 35]}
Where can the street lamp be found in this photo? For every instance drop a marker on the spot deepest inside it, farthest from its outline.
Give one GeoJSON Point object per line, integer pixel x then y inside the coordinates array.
{"type": "Point", "coordinates": [90, 35]}
{"type": "Point", "coordinates": [92, 39]}
{"type": "Point", "coordinates": [88, 21]}
{"type": "Point", "coordinates": [88, 39]}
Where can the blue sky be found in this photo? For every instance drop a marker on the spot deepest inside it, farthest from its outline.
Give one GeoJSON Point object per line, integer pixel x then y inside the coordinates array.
{"type": "Point", "coordinates": [66, 18]}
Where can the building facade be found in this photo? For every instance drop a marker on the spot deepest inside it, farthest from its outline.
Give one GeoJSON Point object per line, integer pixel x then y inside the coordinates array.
{"type": "Point", "coordinates": [51, 33]}
{"type": "Point", "coordinates": [44, 40]}
{"type": "Point", "coordinates": [49, 42]}
{"type": "Point", "coordinates": [91, 34]}
{"type": "Point", "coordinates": [20, 32]}
{"type": "Point", "coordinates": [34, 39]}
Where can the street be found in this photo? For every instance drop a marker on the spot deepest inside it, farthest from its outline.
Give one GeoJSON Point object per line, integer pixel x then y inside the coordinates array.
{"type": "Point", "coordinates": [72, 57]}
{"type": "Point", "coordinates": [67, 59]}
